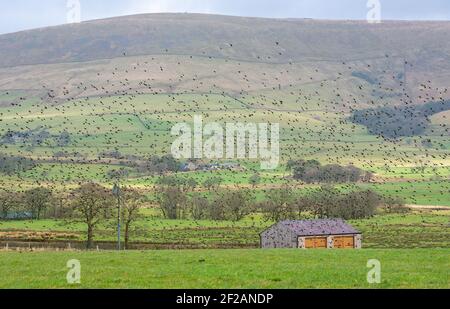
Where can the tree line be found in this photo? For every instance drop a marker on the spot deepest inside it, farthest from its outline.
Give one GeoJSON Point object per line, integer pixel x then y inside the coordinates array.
{"type": "Point", "coordinates": [90, 203]}
{"type": "Point", "coordinates": [180, 201]}
{"type": "Point", "coordinates": [96, 205]}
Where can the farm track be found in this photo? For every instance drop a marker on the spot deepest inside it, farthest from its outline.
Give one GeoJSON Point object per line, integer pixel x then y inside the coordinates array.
{"type": "Point", "coordinates": [427, 207]}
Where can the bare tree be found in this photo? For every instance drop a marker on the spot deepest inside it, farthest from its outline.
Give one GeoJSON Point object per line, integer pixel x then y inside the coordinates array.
{"type": "Point", "coordinates": [93, 203]}
{"type": "Point", "coordinates": [328, 202]}
{"type": "Point", "coordinates": [132, 202]}
{"type": "Point", "coordinates": [172, 201]}
{"type": "Point", "coordinates": [37, 200]}
{"type": "Point", "coordinates": [212, 183]}
{"type": "Point", "coordinates": [9, 201]}
{"type": "Point", "coordinates": [199, 207]}
{"type": "Point", "coordinates": [232, 205]}
{"type": "Point", "coordinates": [278, 204]}
{"type": "Point", "coordinates": [238, 204]}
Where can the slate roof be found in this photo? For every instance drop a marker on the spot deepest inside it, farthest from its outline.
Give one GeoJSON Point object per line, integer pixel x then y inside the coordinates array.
{"type": "Point", "coordinates": [319, 227]}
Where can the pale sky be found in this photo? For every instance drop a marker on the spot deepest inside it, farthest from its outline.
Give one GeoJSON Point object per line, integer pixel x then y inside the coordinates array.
{"type": "Point", "coordinates": [19, 15]}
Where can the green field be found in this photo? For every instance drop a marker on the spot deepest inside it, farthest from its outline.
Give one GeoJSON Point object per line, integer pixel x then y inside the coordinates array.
{"type": "Point", "coordinates": [415, 268]}
{"type": "Point", "coordinates": [140, 125]}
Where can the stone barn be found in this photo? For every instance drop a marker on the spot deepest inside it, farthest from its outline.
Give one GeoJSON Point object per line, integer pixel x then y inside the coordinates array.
{"type": "Point", "coordinates": [305, 234]}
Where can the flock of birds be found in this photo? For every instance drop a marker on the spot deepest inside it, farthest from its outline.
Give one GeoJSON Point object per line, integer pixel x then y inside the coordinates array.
{"type": "Point", "coordinates": [133, 116]}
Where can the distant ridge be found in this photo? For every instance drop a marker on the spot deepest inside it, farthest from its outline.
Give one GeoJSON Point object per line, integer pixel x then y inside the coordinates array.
{"type": "Point", "coordinates": [238, 38]}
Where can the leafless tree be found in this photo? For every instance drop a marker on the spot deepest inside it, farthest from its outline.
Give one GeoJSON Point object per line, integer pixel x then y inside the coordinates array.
{"type": "Point", "coordinates": [37, 200]}
{"type": "Point", "coordinates": [93, 203]}
{"type": "Point", "coordinates": [172, 201]}
{"type": "Point", "coordinates": [132, 202]}
{"type": "Point", "coordinates": [199, 207]}
{"type": "Point", "coordinates": [278, 204]}
{"type": "Point", "coordinates": [9, 201]}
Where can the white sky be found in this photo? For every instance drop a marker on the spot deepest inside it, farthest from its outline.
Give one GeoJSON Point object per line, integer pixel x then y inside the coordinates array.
{"type": "Point", "coordinates": [19, 15]}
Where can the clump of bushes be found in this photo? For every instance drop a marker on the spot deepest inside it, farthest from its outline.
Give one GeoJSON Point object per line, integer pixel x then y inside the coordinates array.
{"type": "Point", "coordinates": [14, 164]}
{"type": "Point", "coordinates": [159, 165]}
{"type": "Point", "coordinates": [312, 171]}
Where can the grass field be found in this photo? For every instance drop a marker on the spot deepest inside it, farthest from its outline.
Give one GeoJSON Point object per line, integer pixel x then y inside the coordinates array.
{"type": "Point", "coordinates": [414, 268]}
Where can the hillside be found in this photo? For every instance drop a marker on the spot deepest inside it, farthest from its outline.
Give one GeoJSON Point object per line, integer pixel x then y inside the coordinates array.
{"type": "Point", "coordinates": [397, 56]}
{"type": "Point", "coordinates": [122, 83]}
{"type": "Point", "coordinates": [239, 38]}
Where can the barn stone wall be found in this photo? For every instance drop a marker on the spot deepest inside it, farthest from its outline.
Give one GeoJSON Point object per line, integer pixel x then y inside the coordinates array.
{"type": "Point", "coordinates": [358, 241]}
{"type": "Point", "coordinates": [278, 236]}
{"type": "Point", "coordinates": [301, 243]}
{"type": "Point", "coordinates": [330, 242]}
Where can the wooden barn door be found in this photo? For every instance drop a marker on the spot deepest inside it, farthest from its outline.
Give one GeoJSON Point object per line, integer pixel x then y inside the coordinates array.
{"type": "Point", "coordinates": [315, 242]}
{"type": "Point", "coordinates": [343, 242]}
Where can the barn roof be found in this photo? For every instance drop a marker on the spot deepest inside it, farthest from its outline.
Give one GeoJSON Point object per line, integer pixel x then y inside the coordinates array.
{"type": "Point", "coordinates": [319, 227]}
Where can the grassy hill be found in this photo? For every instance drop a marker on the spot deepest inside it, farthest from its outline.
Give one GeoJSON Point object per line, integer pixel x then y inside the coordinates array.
{"type": "Point", "coordinates": [239, 38]}
{"type": "Point", "coordinates": [297, 52]}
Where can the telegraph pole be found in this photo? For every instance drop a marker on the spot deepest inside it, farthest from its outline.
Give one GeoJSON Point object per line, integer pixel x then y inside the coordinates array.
{"type": "Point", "coordinates": [116, 192]}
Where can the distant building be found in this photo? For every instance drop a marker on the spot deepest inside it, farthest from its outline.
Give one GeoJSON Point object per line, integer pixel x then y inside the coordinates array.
{"type": "Point", "coordinates": [192, 166]}
{"type": "Point", "coordinates": [209, 167]}
{"type": "Point", "coordinates": [306, 234]}
{"type": "Point", "coordinates": [188, 167]}
{"type": "Point", "coordinates": [231, 166]}
{"type": "Point", "coordinates": [18, 215]}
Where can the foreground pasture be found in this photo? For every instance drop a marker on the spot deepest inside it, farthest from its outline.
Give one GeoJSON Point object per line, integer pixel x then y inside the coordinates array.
{"type": "Point", "coordinates": [253, 268]}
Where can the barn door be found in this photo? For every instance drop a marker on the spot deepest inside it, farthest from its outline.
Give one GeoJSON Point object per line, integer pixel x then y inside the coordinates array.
{"type": "Point", "coordinates": [315, 242]}
{"type": "Point", "coordinates": [343, 242]}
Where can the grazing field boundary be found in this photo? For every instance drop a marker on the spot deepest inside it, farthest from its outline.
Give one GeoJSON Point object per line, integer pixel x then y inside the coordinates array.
{"type": "Point", "coordinates": [110, 245]}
